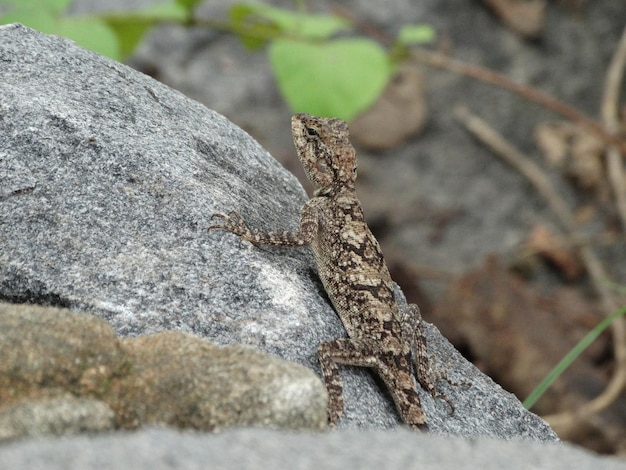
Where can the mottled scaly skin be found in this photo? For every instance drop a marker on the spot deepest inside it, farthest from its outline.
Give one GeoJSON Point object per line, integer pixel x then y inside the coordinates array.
{"type": "Point", "coordinates": [351, 266]}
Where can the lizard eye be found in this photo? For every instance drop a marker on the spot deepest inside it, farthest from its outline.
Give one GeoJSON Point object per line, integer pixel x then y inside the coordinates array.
{"type": "Point", "coordinates": [321, 165]}
{"type": "Point", "coordinates": [310, 132]}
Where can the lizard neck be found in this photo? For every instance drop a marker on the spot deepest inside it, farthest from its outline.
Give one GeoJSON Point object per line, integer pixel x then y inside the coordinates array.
{"type": "Point", "coordinates": [334, 190]}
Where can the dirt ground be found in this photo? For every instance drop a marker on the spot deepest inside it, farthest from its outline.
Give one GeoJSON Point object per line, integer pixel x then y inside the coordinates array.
{"type": "Point", "coordinates": [466, 235]}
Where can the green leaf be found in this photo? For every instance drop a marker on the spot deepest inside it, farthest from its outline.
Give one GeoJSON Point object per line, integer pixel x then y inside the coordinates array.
{"type": "Point", "coordinates": [256, 23]}
{"type": "Point", "coordinates": [253, 31]}
{"type": "Point", "coordinates": [90, 33]}
{"type": "Point", "coordinates": [58, 5]}
{"type": "Point", "coordinates": [339, 78]}
{"type": "Point", "coordinates": [48, 6]}
{"type": "Point", "coordinates": [172, 11]}
{"type": "Point", "coordinates": [130, 27]}
{"type": "Point", "coordinates": [416, 34]}
{"type": "Point", "coordinates": [305, 25]}
{"type": "Point", "coordinates": [154, 13]}
{"type": "Point", "coordinates": [40, 20]}
{"type": "Point", "coordinates": [188, 5]}
{"type": "Point", "coordinates": [128, 33]}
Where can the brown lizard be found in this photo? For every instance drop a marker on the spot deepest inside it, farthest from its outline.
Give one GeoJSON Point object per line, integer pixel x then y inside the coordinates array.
{"type": "Point", "coordinates": [353, 271]}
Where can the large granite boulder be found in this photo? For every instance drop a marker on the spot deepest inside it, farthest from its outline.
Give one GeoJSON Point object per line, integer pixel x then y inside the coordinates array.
{"type": "Point", "coordinates": [108, 180]}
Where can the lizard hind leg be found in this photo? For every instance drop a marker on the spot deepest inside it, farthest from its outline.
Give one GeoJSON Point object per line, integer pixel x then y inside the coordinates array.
{"type": "Point", "coordinates": [395, 371]}
{"type": "Point", "coordinates": [426, 371]}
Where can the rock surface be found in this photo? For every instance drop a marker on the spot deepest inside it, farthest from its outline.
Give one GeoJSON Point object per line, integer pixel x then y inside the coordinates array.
{"type": "Point", "coordinates": [56, 416]}
{"type": "Point", "coordinates": [63, 373]}
{"type": "Point", "coordinates": [55, 348]}
{"type": "Point", "coordinates": [108, 180]}
{"type": "Point", "coordinates": [184, 381]}
{"type": "Point", "coordinates": [252, 449]}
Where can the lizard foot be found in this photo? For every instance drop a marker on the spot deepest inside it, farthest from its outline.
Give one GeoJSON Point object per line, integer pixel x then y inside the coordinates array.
{"type": "Point", "coordinates": [233, 223]}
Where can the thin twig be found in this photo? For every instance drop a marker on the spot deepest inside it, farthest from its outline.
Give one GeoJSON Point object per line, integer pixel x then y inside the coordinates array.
{"type": "Point", "coordinates": [487, 135]}
{"type": "Point", "coordinates": [517, 160]}
{"type": "Point", "coordinates": [600, 239]}
{"type": "Point", "coordinates": [610, 117]}
{"type": "Point", "coordinates": [482, 74]}
{"type": "Point", "coordinates": [442, 61]}
{"type": "Point", "coordinates": [367, 28]}
{"type": "Point", "coordinates": [436, 59]}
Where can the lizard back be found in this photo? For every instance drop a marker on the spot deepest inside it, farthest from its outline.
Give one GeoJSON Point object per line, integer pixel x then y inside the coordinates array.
{"type": "Point", "coordinates": [349, 259]}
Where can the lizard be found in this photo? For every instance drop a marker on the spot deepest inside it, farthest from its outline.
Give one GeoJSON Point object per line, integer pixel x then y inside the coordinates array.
{"type": "Point", "coordinates": [351, 266]}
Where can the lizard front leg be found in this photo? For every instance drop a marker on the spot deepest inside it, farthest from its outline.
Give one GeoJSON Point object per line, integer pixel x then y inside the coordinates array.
{"type": "Point", "coordinates": [234, 223]}
{"type": "Point", "coordinates": [394, 369]}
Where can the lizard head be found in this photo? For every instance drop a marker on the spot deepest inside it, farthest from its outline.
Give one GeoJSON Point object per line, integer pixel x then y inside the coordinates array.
{"type": "Point", "coordinates": [328, 158]}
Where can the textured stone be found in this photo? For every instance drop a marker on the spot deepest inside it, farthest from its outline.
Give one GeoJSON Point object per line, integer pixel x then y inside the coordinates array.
{"type": "Point", "coordinates": [173, 378]}
{"type": "Point", "coordinates": [182, 380]}
{"type": "Point", "coordinates": [108, 180]}
{"type": "Point", "coordinates": [47, 347]}
{"type": "Point", "coordinates": [256, 449]}
{"type": "Point", "coordinates": [55, 416]}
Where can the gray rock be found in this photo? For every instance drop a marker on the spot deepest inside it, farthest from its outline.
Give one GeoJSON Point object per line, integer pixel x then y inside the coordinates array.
{"type": "Point", "coordinates": [252, 449]}
{"type": "Point", "coordinates": [109, 180]}
{"type": "Point", "coordinates": [55, 416]}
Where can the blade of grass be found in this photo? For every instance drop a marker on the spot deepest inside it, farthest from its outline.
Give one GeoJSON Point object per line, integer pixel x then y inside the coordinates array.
{"type": "Point", "coordinates": [570, 357]}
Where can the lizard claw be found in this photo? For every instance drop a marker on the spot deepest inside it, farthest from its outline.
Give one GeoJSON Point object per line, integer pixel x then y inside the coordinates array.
{"type": "Point", "coordinates": [435, 394]}
{"type": "Point", "coordinates": [438, 374]}
{"type": "Point", "coordinates": [231, 222]}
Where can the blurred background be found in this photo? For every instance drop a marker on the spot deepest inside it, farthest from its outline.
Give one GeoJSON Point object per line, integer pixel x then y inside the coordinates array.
{"type": "Point", "coordinates": [466, 235]}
